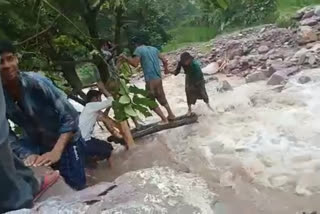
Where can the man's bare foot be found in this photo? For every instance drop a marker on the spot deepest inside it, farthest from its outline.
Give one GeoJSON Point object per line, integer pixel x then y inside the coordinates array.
{"type": "Point", "coordinates": [171, 118]}
{"type": "Point", "coordinates": [164, 122]}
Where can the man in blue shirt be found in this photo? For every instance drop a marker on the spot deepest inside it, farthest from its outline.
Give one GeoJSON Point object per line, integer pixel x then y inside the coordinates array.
{"type": "Point", "coordinates": [51, 136]}
{"type": "Point", "coordinates": [150, 57]}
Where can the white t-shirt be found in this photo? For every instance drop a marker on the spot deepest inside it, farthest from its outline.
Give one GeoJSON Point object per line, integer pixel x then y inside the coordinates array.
{"type": "Point", "coordinates": [89, 116]}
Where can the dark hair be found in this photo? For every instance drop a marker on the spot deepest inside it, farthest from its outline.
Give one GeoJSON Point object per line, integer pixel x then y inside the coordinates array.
{"type": "Point", "coordinates": [93, 94]}
{"type": "Point", "coordinates": [6, 47]}
{"type": "Point", "coordinates": [185, 56]}
{"type": "Point", "coordinates": [138, 40]}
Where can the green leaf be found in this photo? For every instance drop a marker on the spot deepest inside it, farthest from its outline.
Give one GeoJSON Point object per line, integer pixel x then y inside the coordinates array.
{"type": "Point", "coordinates": [223, 4]}
{"type": "Point", "coordinates": [125, 99]}
{"type": "Point", "coordinates": [130, 111]}
{"type": "Point", "coordinates": [124, 90]}
{"type": "Point", "coordinates": [145, 111]}
{"type": "Point", "coordinates": [145, 101]}
{"type": "Point", "coordinates": [134, 89]}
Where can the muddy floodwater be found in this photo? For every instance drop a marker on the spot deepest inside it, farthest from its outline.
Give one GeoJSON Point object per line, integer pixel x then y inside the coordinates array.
{"type": "Point", "coordinates": [259, 151]}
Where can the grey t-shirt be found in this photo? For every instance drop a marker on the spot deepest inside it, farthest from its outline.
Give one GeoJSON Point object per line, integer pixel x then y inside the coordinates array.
{"type": "Point", "coordinates": [3, 120]}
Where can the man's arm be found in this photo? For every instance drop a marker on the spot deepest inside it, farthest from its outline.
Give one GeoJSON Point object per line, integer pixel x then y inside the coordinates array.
{"type": "Point", "coordinates": [133, 61]}
{"type": "Point", "coordinates": [103, 89]}
{"type": "Point", "coordinates": [165, 63]}
{"type": "Point", "coordinates": [98, 106]}
{"type": "Point", "coordinates": [68, 117]}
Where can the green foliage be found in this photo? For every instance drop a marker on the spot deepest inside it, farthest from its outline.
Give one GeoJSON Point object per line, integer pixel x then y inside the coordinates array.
{"type": "Point", "coordinates": [186, 35]}
{"type": "Point", "coordinates": [132, 102]}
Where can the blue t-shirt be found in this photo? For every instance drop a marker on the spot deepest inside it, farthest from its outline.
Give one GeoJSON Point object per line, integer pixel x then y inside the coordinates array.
{"type": "Point", "coordinates": [149, 57]}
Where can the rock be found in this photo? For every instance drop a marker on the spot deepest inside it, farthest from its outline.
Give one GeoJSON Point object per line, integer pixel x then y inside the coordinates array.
{"type": "Point", "coordinates": [274, 67]}
{"type": "Point", "coordinates": [211, 78]}
{"type": "Point", "coordinates": [301, 56]}
{"type": "Point", "coordinates": [212, 68]}
{"type": "Point", "coordinates": [281, 76]}
{"type": "Point", "coordinates": [312, 59]}
{"type": "Point", "coordinates": [225, 86]}
{"type": "Point", "coordinates": [255, 77]}
{"type": "Point", "coordinates": [317, 11]}
{"type": "Point", "coordinates": [153, 190]}
{"type": "Point", "coordinates": [306, 35]}
{"type": "Point", "coordinates": [300, 13]}
{"type": "Point", "coordinates": [263, 49]}
{"type": "Point", "coordinates": [277, 79]}
{"type": "Point", "coordinates": [304, 79]}
{"type": "Point", "coordinates": [309, 21]}
{"type": "Point", "coordinates": [308, 14]}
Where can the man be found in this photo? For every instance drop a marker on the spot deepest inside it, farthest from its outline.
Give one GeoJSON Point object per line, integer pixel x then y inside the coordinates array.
{"type": "Point", "coordinates": [51, 136]}
{"type": "Point", "coordinates": [18, 185]}
{"type": "Point", "coordinates": [91, 113]}
{"type": "Point", "coordinates": [150, 57]}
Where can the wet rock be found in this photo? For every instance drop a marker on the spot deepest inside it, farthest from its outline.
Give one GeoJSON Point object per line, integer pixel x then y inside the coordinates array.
{"type": "Point", "coordinates": [304, 79]}
{"type": "Point", "coordinates": [263, 49]}
{"type": "Point", "coordinates": [225, 86]}
{"type": "Point", "coordinates": [154, 190]}
{"type": "Point", "coordinates": [309, 21]}
{"type": "Point", "coordinates": [274, 67]}
{"type": "Point", "coordinates": [312, 59]}
{"type": "Point", "coordinates": [300, 13]}
{"type": "Point", "coordinates": [308, 14]}
{"type": "Point", "coordinates": [281, 76]}
{"type": "Point", "coordinates": [306, 35]}
{"type": "Point", "coordinates": [211, 79]}
{"type": "Point", "coordinates": [255, 77]}
{"type": "Point", "coordinates": [317, 11]}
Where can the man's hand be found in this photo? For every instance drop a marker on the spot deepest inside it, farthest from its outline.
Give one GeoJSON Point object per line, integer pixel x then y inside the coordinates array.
{"type": "Point", "coordinates": [48, 159]}
{"type": "Point", "coordinates": [30, 160]}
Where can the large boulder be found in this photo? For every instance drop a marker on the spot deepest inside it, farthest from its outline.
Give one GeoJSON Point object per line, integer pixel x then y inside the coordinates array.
{"type": "Point", "coordinates": [304, 79]}
{"type": "Point", "coordinates": [310, 21]}
{"type": "Point", "coordinates": [255, 77]}
{"type": "Point", "coordinates": [306, 35]}
{"type": "Point", "coordinates": [317, 10]}
{"type": "Point", "coordinates": [263, 49]}
{"type": "Point", "coordinates": [154, 190]}
{"type": "Point", "coordinates": [280, 77]}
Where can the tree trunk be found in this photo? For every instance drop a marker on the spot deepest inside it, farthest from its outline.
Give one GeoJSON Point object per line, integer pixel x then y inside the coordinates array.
{"type": "Point", "coordinates": [156, 127]}
{"type": "Point", "coordinates": [117, 34]}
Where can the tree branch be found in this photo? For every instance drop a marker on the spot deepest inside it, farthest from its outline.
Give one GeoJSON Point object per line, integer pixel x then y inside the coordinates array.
{"type": "Point", "coordinates": [39, 34]}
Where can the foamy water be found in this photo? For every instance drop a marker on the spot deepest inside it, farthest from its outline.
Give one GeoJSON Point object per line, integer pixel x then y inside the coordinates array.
{"type": "Point", "coordinates": [255, 134]}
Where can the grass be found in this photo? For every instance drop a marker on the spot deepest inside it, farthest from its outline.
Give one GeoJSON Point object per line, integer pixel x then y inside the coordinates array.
{"type": "Point", "coordinates": [184, 36]}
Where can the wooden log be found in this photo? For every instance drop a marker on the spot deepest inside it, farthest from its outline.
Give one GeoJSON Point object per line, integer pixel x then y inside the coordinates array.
{"type": "Point", "coordinates": [157, 127]}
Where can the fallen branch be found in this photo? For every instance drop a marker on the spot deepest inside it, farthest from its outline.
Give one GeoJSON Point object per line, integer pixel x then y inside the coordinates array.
{"type": "Point", "coordinates": [156, 127]}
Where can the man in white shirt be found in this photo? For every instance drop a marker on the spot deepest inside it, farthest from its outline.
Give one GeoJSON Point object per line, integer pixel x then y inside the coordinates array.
{"type": "Point", "coordinates": [92, 112]}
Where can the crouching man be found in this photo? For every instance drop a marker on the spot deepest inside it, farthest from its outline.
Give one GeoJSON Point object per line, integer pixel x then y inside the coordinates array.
{"type": "Point", "coordinates": [51, 136]}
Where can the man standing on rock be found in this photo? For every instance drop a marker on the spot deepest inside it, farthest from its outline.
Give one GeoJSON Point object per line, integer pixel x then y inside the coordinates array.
{"type": "Point", "coordinates": [51, 136]}
{"type": "Point", "coordinates": [150, 57]}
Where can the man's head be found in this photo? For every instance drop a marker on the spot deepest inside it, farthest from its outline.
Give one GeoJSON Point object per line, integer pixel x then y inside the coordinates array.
{"type": "Point", "coordinates": [186, 59]}
{"type": "Point", "coordinates": [93, 96]}
{"type": "Point", "coordinates": [137, 41]}
{"type": "Point", "coordinates": [9, 62]}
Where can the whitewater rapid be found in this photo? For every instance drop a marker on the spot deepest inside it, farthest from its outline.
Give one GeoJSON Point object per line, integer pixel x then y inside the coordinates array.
{"type": "Point", "coordinates": [256, 134]}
